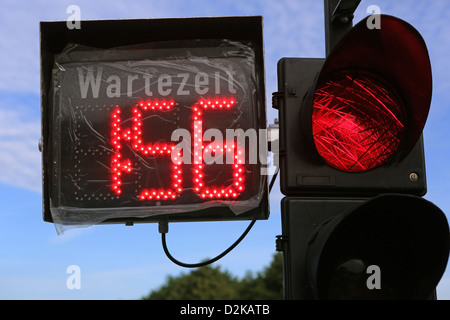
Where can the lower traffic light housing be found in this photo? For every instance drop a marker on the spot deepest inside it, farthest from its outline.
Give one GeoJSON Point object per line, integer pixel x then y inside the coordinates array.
{"type": "Point", "coordinates": [331, 243]}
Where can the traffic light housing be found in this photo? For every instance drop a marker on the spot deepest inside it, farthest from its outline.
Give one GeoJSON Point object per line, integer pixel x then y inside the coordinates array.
{"type": "Point", "coordinates": [353, 170]}
{"type": "Point", "coordinates": [306, 168]}
{"type": "Point", "coordinates": [331, 243]}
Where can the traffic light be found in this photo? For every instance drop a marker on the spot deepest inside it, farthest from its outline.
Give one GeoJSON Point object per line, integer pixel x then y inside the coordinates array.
{"type": "Point", "coordinates": [353, 171]}
{"type": "Point", "coordinates": [153, 120]}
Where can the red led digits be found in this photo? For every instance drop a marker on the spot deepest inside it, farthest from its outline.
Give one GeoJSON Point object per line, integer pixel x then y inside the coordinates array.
{"type": "Point", "coordinates": [135, 134]}
{"type": "Point", "coordinates": [134, 137]}
{"type": "Point", "coordinates": [156, 149]}
{"type": "Point", "coordinates": [117, 165]}
{"type": "Point", "coordinates": [215, 192]}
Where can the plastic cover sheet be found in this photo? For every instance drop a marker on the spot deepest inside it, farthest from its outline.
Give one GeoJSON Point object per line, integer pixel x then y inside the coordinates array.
{"type": "Point", "coordinates": [155, 129]}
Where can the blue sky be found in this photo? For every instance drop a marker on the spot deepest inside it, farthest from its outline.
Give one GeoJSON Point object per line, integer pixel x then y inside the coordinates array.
{"type": "Point", "coordinates": [119, 262]}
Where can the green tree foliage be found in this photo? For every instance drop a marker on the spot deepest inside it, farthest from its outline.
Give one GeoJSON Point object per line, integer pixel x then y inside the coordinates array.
{"type": "Point", "coordinates": [209, 283]}
{"type": "Point", "coordinates": [205, 283]}
{"type": "Point", "coordinates": [266, 285]}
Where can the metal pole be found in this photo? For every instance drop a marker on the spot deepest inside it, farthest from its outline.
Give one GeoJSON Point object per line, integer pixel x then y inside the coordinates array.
{"type": "Point", "coordinates": [338, 20]}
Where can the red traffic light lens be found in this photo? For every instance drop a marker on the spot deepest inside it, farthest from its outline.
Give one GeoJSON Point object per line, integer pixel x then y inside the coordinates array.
{"type": "Point", "coordinates": [358, 121]}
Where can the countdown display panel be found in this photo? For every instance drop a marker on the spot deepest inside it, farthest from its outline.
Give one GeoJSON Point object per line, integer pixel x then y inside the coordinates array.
{"type": "Point", "coordinates": [155, 130]}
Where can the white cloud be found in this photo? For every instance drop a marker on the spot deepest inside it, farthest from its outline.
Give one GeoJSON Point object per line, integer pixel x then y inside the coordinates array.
{"type": "Point", "coordinates": [19, 29]}
{"type": "Point", "coordinates": [19, 155]}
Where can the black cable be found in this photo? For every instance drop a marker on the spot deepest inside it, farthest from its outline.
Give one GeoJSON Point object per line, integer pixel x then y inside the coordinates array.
{"type": "Point", "coordinates": [163, 227]}
{"type": "Point", "coordinates": [202, 264]}
{"type": "Point", "coordinates": [273, 179]}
